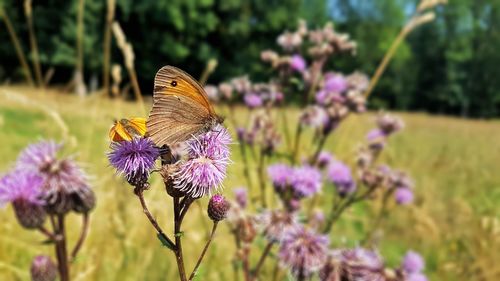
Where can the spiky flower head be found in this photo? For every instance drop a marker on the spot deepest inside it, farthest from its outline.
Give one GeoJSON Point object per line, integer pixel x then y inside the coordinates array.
{"type": "Point", "coordinates": [305, 181]}
{"type": "Point", "coordinates": [43, 269]}
{"type": "Point", "coordinates": [205, 169]}
{"type": "Point", "coordinates": [134, 159]}
{"type": "Point", "coordinates": [413, 262]}
{"type": "Point", "coordinates": [280, 175]}
{"type": "Point", "coordinates": [23, 188]}
{"type": "Point", "coordinates": [340, 175]}
{"type": "Point", "coordinates": [303, 251]}
{"type": "Point", "coordinates": [353, 264]}
{"type": "Point", "coordinates": [217, 208]}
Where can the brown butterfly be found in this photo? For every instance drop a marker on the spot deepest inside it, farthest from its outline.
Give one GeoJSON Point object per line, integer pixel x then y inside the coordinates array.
{"type": "Point", "coordinates": [180, 110]}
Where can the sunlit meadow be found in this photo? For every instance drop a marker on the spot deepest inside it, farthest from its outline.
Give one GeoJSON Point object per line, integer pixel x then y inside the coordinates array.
{"type": "Point", "coordinates": [452, 222]}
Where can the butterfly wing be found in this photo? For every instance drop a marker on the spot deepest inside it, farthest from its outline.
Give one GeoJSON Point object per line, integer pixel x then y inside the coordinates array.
{"type": "Point", "coordinates": [118, 133]}
{"type": "Point", "coordinates": [172, 81]}
{"type": "Point", "coordinates": [139, 125]}
{"type": "Point", "coordinates": [175, 118]}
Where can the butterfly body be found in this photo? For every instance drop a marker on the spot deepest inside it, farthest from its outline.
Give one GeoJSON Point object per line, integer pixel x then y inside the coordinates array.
{"type": "Point", "coordinates": [180, 110]}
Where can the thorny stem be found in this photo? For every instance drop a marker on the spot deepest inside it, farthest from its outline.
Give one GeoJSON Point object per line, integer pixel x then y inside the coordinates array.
{"type": "Point", "coordinates": [152, 220]}
{"type": "Point", "coordinates": [178, 235]}
{"type": "Point", "coordinates": [83, 235]}
{"type": "Point", "coordinates": [263, 257]}
{"type": "Point", "coordinates": [204, 251]}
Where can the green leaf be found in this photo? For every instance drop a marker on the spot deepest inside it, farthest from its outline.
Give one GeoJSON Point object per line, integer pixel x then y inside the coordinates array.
{"type": "Point", "coordinates": [165, 242]}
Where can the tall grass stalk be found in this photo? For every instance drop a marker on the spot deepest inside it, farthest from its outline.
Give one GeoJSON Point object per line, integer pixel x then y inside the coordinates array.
{"type": "Point", "coordinates": [107, 47]}
{"type": "Point", "coordinates": [17, 46]}
{"type": "Point", "coordinates": [79, 75]}
{"type": "Point", "coordinates": [28, 11]}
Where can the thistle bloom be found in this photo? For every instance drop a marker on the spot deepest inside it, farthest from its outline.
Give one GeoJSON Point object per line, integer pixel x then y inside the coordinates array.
{"type": "Point", "coordinates": [135, 159]}
{"type": "Point", "coordinates": [416, 277]}
{"type": "Point", "coordinates": [253, 100]}
{"type": "Point", "coordinates": [403, 196]}
{"type": "Point", "coordinates": [23, 189]}
{"type": "Point", "coordinates": [413, 262]}
{"type": "Point", "coordinates": [305, 181]}
{"type": "Point", "coordinates": [39, 156]}
{"type": "Point", "coordinates": [277, 223]}
{"type": "Point", "coordinates": [340, 175]}
{"type": "Point", "coordinates": [279, 174]}
{"type": "Point", "coordinates": [43, 269]}
{"type": "Point", "coordinates": [217, 208]}
{"type": "Point", "coordinates": [303, 251]}
{"type": "Point", "coordinates": [324, 159]}
{"type": "Point", "coordinates": [205, 168]}
{"type": "Point", "coordinates": [335, 83]}
{"type": "Point", "coordinates": [297, 63]}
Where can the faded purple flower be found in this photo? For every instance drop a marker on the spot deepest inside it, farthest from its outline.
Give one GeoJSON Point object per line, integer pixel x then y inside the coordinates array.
{"type": "Point", "coordinates": [375, 135]}
{"type": "Point", "coordinates": [280, 175]}
{"type": "Point", "coordinates": [253, 100]}
{"type": "Point", "coordinates": [335, 83]}
{"type": "Point", "coordinates": [39, 156]}
{"type": "Point", "coordinates": [305, 181]}
{"type": "Point", "coordinates": [212, 92]}
{"type": "Point", "coordinates": [403, 196]}
{"type": "Point", "coordinates": [416, 277]}
{"type": "Point", "coordinates": [389, 124]}
{"type": "Point", "coordinates": [205, 168]}
{"type": "Point", "coordinates": [314, 116]}
{"type": "Point", "coordinates": [298, 63]}
{"type": "Point", "coordinates": [135, 159]}
{"type": "Point", "coordinates": [241, 196]}
{"type": "Point", "coordinates": [276, 223]}
{"type": "Point", "coordinates": [413, 262]}
{"type": "Point", "coordinates": [303, 251]}
{"type": "Point", "coordinates": [325, 98]}
{"type": "Point", "coordinates": [340, 175]}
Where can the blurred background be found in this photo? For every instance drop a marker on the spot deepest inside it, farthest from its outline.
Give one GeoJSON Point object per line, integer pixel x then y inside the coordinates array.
{"type": "Point", "coordinates": [68, 68]}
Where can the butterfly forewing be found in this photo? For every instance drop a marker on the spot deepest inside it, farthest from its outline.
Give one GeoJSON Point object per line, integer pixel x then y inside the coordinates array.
{"type": "Point", "coordinates": [170, 80]}
{"type": "Point", "coordinates": [175, 119]}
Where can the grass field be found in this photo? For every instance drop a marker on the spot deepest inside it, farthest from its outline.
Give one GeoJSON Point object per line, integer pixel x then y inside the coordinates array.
{"type": "Point", "coordinates": [454, 222]}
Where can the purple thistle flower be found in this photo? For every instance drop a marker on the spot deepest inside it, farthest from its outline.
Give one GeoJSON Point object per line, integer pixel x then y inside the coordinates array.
{"type": "Point", "coordinates": [43, 269]}
{"type": "Point", "coordinates": [241, 196]}
{"type": "Point", "coordinates": [205, 169]}
{"type": "Point", "coordinates": [413, 262]}
{"type": "Point", "coordinates": [218, 207]}
{"type": "Point", "coordinates": [335, 83]}
{"type": "Point", "coordinates": [253, 100]}
{"type": "Point", "coordinates": [135, 159]}
{"type": "Point", "coordinates": [340, 175]}
{"type": "Point", "coordinates": [416, 277]}
{"type": "Point", "coordinates": [305, 181]}
{"type": "Point", "coordinates": [21, 185]}
{"type": "Point", "coordinates": [324, 159]}
{"type": "Point", "coordinates": [23, 188]}
{"type": "Point", "coordinates": [39, 156]}
{"type": "Point", "coordinates": [303, 251]}
{"type": "Point", "coordinates": [298, 63]}
{"type": "Point", "coordinates": [280, 175]}
{"type": "Point", "coordinates": [403, 196]}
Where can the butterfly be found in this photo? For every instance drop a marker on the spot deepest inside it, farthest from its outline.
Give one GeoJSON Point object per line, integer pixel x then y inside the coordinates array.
{"type": "Point", "coordinates": [127, 129]}
{"type": "Point", "coordinates": [180, 110]}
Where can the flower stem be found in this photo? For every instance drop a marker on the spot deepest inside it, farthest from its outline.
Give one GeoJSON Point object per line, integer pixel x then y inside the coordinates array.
{"type": "Point", "coordinates": [263, 257]}
{"type": "Point", "coordinates": [204, 251]}
{"type": "Point", "coordinates": [83, 235]}
{"type": "Point", "coordinates": [262, 181]}
{"type": "Point", "coordinates": [152, 220]}
{"type": "Point", "coordinates": [61, 251]}
{"type": "Point", "coordinates": [52, 236]}
{"type": "Point", "coordinates": [178, 235]}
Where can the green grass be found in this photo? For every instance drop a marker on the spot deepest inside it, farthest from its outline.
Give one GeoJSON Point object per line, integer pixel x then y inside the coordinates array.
{"type": "Point", "coordinates": [453, 223]}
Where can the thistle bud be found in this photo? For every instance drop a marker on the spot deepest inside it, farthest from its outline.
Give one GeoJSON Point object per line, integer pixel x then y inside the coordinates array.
{"type": "Point", "coordinates": [83, 201]}
{"type": "Point", "coordinates": [43, 269]}
{"type": "Point", "coordinates": [29, 215]}
{"type": "Point", "coordinates": [217, 208]}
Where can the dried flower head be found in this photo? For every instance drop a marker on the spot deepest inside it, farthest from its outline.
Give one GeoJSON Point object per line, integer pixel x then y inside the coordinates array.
{"type": "Point", "coordinates": [303, 251]}
{"type": "Point", "coordinates": [276, 223]}
{"type": "Point", "coordinates": [135, 159]}
{"type": "Point", "coordinates": [205, 168]}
